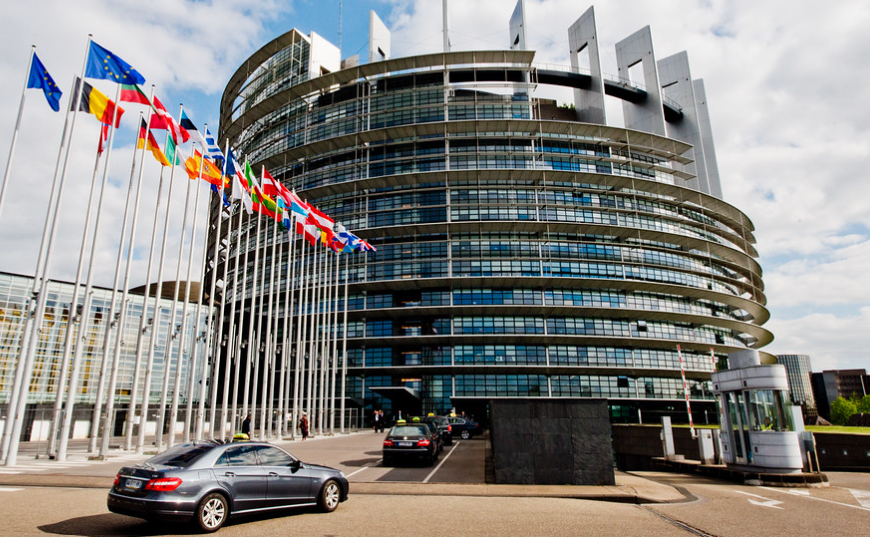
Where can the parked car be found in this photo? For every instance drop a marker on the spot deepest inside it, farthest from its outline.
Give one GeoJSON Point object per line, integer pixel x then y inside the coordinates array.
{"type": "Point", "coordinates": [209, 482]}
{"type": "Point", "coordinates": [464, 428]}
{"type": "Point", "coordinates": [408, 441]}
{"type": "Point", "coordinates": [435, 433]}
{"type": "Point", "coordinates": [444, 428]}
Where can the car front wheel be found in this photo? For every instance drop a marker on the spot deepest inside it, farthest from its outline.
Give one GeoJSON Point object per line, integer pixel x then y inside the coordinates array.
{"type": "Point", "coordinates": [212, 512]}
{"type": "Point", "coordinates": [465, 435]}
{"type": "Point", "coordinates": [329, 496]}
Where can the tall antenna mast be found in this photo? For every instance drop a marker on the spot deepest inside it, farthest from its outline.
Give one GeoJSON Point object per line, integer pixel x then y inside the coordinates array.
{"type": "Point", "coordinates": [446, 29]}
{"type": "Point", "coordinates": [340, 9]}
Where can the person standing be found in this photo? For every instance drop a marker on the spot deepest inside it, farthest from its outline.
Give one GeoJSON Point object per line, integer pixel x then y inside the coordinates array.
{"type": "Point", "coordinates": [303, 426]}
{"type": "Point", "coordinates": [246, 425]}
{"type": "Point", "coordinates": [376, 423]}
{"type": "Point", "coordinates": [382, 419]}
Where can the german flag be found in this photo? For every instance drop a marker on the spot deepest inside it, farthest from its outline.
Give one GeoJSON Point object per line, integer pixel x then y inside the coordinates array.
{"type": "Point", "coordinates": [146, 140]}
{"type": "Point", "coordinates": [94, 102]}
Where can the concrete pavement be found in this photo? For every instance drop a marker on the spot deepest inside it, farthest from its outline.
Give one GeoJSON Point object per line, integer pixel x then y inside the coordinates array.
{"type": "Point", "coordinates": [353, 453]}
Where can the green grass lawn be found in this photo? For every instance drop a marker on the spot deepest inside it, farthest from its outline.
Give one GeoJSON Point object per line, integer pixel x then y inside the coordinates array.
{"type": "Point", "coordinates": [838, 429]}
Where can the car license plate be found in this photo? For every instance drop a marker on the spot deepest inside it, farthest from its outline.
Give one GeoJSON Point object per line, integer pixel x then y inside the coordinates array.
{"type": "Point", "coordinates": [406, 444]}
{"type": "Point", "coordinates": [132, 484]}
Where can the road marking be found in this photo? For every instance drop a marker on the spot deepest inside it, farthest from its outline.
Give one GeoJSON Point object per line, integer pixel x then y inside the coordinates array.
{"type": "Point", "coordinates": [428, 477]}
{"type": "Point", "coordinates": [358, 471]}
{"type": "Point", "coordinates": [862, 496]}
{"type": "Point", "coordinates": [4, 489]}
{"type": "Point", "coordinates": [8, 472]}
{"type": "Point", "coordinates": [786, 491]}
{"type": "Point", "coordinates": [766, 503]}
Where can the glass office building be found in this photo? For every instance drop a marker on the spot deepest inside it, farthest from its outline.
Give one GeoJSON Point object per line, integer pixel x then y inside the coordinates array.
{"type": "Point", "coordinates": [799, 370]}
{"type": "Point", "coordinates": [525, 247]}
{"type": "Point", "coordinates": [15, 299]}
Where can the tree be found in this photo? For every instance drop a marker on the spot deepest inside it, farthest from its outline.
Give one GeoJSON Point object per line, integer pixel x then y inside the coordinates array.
{"type": "Point", "coordinates": [863, 405]}
{"type": "Point", "coordinates": [841, 410]}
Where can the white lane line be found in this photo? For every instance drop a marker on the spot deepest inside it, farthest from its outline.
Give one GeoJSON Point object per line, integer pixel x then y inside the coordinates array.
{"type": "Point", "coordinates": [8, 472]}
{"type": "Point", "coordinates": [786, 491]}
{"type": "Point", "coordinates": [428, 477]}
{"type": "Point", "coordinates": [4, 489]}
{"type": "Point", "coordinates": [766, 503]}
{"type": "Point", "coordinates": [358, 471]}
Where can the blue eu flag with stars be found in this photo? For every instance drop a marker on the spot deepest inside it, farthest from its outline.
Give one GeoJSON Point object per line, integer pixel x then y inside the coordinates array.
{"type": "Point", "coordinates": [39, 78]}
{"type": "Point", "coordinates": [106, 65]}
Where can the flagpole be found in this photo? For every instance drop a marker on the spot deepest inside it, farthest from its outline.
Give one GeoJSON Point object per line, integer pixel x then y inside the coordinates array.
{"type": "Point", "coordinates": [242, 344]}
{"type": "Point", "coordinates": [286, 356]}
{"type": "Point", "coordinates": [334, 334]}
{"type": "Point", "coordinates": [222, 338]}
{"type": "Point", "coordinates": [307, 327]}
{"type": "Point", "coordinates": [299, 355]}
{"type": "Point", "coordinates": [327, 339]}
{"type": "Point", "coordinates": [344, 343]}
{"type": "Point", "coordinates": [25, 336]}
{"type": "Point", "coordinates": [71, 318]}
{"type": "Point", "coordinates": [260, 347]}
{"type": "Point", "coordinates": [119, 341]}
{"type": "Point", "coordinates": [290, 301]}
{"type": "Point", "coordinates": [182, 332]}
{"type": "Point", "coordinates": [15, 132]}
{"type": "Point", "coordinates": [210, 345]}
{"type": "Point", "coordinates": [265, 422]}
{"type": "Point", "coordinates": [27, 351]}
{"type": "Point", "coordinates": [143, 320]}
{"type": "Point", "coordinates": [191, 369]}
{"type": "Point", "coordinates": [315, 337]}
{"type": "Point", "coordinates": [236, 345]}
{"type": "Point", "coordinates": [254, 343]}
{"type": "Point", "coordinates": [277, 352]}
{"type": "Point", "coordinates": [324, 323]}
{"type": "Point", "coordinates": [155, 325]}
{"type": "Point", "coordinates": [173, 333]}
{"type": "Point", "coordinates": [78, 353]}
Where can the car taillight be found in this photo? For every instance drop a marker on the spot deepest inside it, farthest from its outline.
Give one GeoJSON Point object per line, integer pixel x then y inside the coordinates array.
{"type": "Point", "coordinates": [117, 480]}
{"type": "Point", "coordinates": [449, 428]}
{"type": "Point", "coordinates": [164, 484]}
{"type": "Point", "coordinates": [424, 442]}
{"type": "Point", "coordinates": [388, 443]}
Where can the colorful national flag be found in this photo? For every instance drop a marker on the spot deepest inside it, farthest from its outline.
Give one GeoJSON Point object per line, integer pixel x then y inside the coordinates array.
{"type": "Point", "coordinates": [263, 204]}
{"type": "Point", "coordinates": [172, 152]}
{"type": "Point", "coordinates": [322, 221]}
{"type": "Point", "coordinates": [212, 150]}
{"type": "Point", "coordinates": [195, 164]}
{"type": "Point", "coordinates": [104, 136]}
{"type": "Point", "coordinates": [163, 120]}
{"type": "Point", "coordinates": [39, 78]}
{"type": "Point", "coordinates": [222, 193]}
{"type": "Point", "coordinates": [366, 247]}
{"type": "Point", "coordinates": [191, 129]}
{"type": "Point", "coordinates": [151, 144]}
{"type": "Point", "coordinates": [94, 102]}
{"type": "Point", "coordinates": [132, 93]}
{"type": "Point", "coordinates": [106, 65]}
{"type": "Point", "coordinates": [311, 232]}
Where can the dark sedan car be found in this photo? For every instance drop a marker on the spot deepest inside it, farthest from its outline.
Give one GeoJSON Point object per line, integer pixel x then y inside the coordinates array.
{"type": "Point", "coordinates": [444, 428]}
{"type": "Point", "coordinates": [410, 441]}
{"type": "Point", "coordinates": [464, 428]}
{"type": "Point", "coordinates": [208, 482]}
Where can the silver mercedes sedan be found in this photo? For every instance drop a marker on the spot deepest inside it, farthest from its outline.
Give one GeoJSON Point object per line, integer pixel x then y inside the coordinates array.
{"type": "Point", "coordinates": [208, 482]}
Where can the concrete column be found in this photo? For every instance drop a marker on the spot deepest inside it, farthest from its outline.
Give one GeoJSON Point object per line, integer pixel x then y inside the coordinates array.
{"type": "Point", "coordinates": [647, 115]}
{"type": "Point", "coordinates": [589, 102]}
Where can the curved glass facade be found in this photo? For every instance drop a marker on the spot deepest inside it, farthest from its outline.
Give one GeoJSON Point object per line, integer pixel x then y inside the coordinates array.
{"type": "Point", "coordinates": [517, 256]}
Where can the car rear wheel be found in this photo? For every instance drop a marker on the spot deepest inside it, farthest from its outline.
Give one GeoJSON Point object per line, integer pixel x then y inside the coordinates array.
{"type": "Point", "coordinates": [212, 512]}
{"type": "Point", "coordinates": [465, 435]}
{"type": "Point", "coordinates": [330, 495]}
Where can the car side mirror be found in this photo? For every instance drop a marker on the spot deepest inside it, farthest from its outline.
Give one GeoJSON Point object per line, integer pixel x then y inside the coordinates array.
{"type": "Point", "coordinates": [296, 465]}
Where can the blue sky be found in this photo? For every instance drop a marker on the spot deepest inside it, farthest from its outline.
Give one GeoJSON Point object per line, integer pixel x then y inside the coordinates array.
{"type": "Point", "coordinates": [783, 80]}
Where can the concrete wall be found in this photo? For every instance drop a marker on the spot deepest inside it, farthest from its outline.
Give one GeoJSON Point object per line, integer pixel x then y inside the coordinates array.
{"type": "Point", "coordinates": [551, 442]}
{"type": "Point", "coordinates": [837, 451]}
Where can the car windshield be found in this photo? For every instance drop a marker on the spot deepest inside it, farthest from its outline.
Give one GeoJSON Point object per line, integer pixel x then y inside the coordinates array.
{"type": "Point", "coordinates": [181, 456]}
{"type": "Point", "coordinates": [409, 430]}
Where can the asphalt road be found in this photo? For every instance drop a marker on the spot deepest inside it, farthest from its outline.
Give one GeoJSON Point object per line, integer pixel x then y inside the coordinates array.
{"type": "Point", "coordinates": [709, 507]}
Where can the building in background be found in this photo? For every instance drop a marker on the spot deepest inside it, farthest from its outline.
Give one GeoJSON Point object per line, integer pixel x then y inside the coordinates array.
{"type": "Point", "coordinates": [828, 385]}
{"type": "Point", "coordinates": [799, 370]}
{"type": "Point", "coordinates": [15, 293]}
{"type": "Point", "coordinates": [526, 246]}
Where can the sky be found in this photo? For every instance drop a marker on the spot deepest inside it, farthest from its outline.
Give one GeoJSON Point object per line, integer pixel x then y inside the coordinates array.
{"type": "Point", "coordinates": [785, 83]}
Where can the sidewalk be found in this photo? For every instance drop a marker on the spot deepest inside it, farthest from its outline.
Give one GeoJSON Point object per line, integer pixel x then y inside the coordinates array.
{"type": "Point", "coordinates": [79, 471]}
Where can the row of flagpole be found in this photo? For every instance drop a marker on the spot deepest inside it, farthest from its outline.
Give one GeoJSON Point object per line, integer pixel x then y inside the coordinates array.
{"type": "Point", "coordinates": [308, 348]}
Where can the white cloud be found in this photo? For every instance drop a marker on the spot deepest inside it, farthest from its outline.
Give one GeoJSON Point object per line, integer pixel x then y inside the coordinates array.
{"type": "Point", "coordinates": [183, 47]}
{"type": "Point", "coordinates": [832, 342]}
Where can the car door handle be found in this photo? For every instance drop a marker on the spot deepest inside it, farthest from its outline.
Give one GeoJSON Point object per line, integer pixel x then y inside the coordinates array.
{"type": "Point", "coordinates": [230, 474]}
{"type": "Point", "coordinates": [273, 474]}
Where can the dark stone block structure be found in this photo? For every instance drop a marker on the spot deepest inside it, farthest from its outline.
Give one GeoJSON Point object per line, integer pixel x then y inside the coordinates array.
{"type": "Point", "coordinates": [551, 442]}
